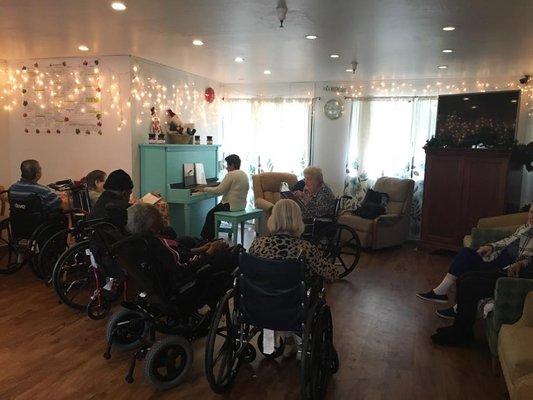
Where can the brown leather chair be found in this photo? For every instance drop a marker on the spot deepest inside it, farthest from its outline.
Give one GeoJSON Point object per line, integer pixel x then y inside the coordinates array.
{"type": "Point", "coordinates": [392, 228]}
{"type": "Point", "coordinates": [266, 192]}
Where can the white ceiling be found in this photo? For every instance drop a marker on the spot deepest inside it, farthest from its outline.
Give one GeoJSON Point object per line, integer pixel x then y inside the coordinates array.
{"type": "Point", "coordinates": [391, 39]}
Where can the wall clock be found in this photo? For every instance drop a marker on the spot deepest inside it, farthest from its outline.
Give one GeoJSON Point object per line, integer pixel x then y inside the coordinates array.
{"type": "Point", "coordinates": [333, 109]}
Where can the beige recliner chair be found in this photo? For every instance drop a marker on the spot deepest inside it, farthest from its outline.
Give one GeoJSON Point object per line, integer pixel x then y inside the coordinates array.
{"type": "Point", "coordinates": [391, 229]}
{"type": "Point", "coordinates": [266, 192]}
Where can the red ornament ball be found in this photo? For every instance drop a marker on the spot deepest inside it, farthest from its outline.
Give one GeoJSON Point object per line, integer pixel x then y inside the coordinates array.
{"type": "Point", "coordinates": [24, 115]}
{"type": "Point", "coordinates": [209, 94]}
{"type": "Point", "coordinates": [66, 119]}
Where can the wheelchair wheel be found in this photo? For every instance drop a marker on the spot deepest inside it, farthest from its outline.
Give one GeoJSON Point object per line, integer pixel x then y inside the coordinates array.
{"type": "Point", "coordinates": [126, 328]}
{"type": "Point", "coordinates": [98, 308]}
{"type": "Point", "coordinates": [10, 259]}
{"type": "Point", "coordinates": [221, 360]}
{"type": "Point", "coordinates": [51, 251]}
{"type": "Point", "coordinates": [72, 277]}
{"type": "Point", "coordinates": [317, 353]}
{"type": "Point", "coordinates": [278, 351]}
{"type": "Point", "coordinates": [36, 244]}
{"type": "Point", "coordinates": [341, 245]}
{"type": "Point", "coordinates": [168, 362]}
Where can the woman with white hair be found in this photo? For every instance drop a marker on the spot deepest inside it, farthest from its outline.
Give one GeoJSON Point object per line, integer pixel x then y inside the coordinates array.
{"type": "Point", "coordinates": [286, 226]}
{"type": "Point", "coordinates": [146, 220]}
{"type": "Point", "coordinates": [317, 197]}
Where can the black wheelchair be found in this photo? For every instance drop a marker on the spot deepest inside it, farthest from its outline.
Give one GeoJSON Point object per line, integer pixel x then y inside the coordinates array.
{"type": "Point", "coordinates": [278, 296]}
{"type": "Point", "coordinates": [28, 227]}
{"type": "Point", "coordinates": [178, 305]}
{"type": "Point", "coordinates": [338, 242]}
{"type": "Point", "coordinates": [79, 281]}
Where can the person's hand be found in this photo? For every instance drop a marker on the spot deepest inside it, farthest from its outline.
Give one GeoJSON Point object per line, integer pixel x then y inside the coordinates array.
{"type": "Point", "coordinates": [484, 251]}
{"type": "Point", "coordinates": [513, 271]}
{"type": "Point", "coordinates": [216, 246]}
{"type": "Point", "coordinates": [298, 194]}
{"type": "Point", "coordinates": [201, 249]}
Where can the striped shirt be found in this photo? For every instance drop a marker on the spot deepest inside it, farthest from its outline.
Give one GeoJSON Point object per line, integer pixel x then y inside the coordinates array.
{"type": "Point", "coordinates": [24, 188]}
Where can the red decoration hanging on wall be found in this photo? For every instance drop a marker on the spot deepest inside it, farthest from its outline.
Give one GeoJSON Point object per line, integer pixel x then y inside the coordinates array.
{"type": "Point", "coordinates": [209, 94]}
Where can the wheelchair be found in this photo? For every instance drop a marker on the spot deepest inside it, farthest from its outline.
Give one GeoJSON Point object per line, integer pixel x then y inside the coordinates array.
{"type": "Point", "coordinates": [178, 308]}
{"type": "Point", "coordinates": [338, 242]}
{"type": "Point", "coordinates": [78, 279]}
{"type": "Point", "coordinates": [278, 296]}
{"type": "Point", "coordinates": [79, 207]}
{"type": "Point", "coordinates": [28, 228]}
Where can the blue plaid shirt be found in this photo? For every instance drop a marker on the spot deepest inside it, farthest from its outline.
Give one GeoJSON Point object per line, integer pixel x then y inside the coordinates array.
{"type": "Point", "coordinates": [25, 188]}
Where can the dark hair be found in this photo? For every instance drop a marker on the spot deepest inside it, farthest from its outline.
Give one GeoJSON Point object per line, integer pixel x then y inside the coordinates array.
{"type": "Point", "coordinates": [118, 180]}
{"type": "Point", "coordinates": [233, 159]}
{"type": "Point", "coordinates": [94, 176]}
{"type": "Point", "coordinates": [29, 169]}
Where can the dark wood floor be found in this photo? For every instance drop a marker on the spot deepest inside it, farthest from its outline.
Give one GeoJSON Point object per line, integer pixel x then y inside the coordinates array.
{"type": "Point", "coordinates": [382, 331]}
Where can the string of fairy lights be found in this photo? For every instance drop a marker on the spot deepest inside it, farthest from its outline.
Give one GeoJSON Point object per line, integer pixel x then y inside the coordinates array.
{"type": "Point", "coordinates": [93, 80]}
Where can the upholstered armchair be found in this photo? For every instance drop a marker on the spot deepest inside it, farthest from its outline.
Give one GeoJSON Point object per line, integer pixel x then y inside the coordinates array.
{"type": "Point", "coordinates": [392, 228]}
{"type": "Point", "coordinates": [266, 192]}
{"type": "Point", "coordinates": [509, 331]}
{"type": "Point", "coordinates": [491, 229]}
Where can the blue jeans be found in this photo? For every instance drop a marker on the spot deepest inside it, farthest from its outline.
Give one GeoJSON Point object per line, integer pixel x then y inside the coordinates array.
{"type": "Point", "coordinates": [469, 260]}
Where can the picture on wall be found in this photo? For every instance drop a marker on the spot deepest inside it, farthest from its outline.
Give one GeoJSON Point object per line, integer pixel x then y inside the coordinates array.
{"type": "Point", "coordinates": [478, 117]}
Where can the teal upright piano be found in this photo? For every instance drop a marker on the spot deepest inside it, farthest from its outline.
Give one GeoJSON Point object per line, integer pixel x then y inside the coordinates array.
{"type": "Point", "coordinates": [162, 172]}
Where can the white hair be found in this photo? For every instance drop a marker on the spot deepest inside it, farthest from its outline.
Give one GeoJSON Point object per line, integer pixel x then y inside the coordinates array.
{"type": "Point", "coordinates": [144, 218]}
{"type": "Point", "coordinates": [286, 218]}
{"type": "Point", "coordinates": [314, 172]}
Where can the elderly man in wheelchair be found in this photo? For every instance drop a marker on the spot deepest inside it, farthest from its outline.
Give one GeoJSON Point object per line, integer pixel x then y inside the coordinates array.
{"type": "Point", "coordinates": [275, 293]}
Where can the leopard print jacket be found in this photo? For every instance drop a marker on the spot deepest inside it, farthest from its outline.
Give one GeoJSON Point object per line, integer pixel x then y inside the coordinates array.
{"type": "Point", "coordinates": [279, 247]}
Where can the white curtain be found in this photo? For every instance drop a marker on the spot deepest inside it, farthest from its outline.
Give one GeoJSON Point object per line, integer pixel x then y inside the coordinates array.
{"type": "Point", "coordinates": [387, 136]}
{"type": "Point", "coordinates": [268, 135]}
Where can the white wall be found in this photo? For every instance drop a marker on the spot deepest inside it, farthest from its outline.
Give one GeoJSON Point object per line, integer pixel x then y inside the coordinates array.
{"type": "Point", "coordinates": [68, 155]}
{"type": "Point", "coordinates": [204, 115]}
{"type": "Point", "coordinates": [5, 177]}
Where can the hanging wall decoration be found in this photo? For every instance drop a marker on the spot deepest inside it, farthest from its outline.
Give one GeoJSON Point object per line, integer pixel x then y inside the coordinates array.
{"type": "Point", "coordinates": [209, 94]}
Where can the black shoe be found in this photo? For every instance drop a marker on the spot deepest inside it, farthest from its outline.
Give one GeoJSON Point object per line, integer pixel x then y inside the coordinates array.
{"type": "Point", "coordinates": [431, 296]}
{"type": "Point", "coordinates": [446, 313]}
{"type": "Point", "coordinates": [452, 336]}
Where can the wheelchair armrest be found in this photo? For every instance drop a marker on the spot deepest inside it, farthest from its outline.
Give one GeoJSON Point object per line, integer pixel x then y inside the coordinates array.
{"type": "Point", "coordinates": [117, 245]}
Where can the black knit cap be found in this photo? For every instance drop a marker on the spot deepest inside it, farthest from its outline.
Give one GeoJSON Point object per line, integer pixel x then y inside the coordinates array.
{"type": "Point", "coordinates": [118, 180]}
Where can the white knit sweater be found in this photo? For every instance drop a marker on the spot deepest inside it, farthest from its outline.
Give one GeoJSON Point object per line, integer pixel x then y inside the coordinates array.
{"type": "Point", "coordinates": [233, 188]}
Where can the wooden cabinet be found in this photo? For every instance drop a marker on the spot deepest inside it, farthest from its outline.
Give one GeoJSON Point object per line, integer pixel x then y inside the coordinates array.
{"type": "Point", "coordinates": [461, 186]}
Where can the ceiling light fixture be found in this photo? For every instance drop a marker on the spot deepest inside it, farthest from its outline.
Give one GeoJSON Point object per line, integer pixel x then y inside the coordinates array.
{"type": "Point", "coordinates": [514, 101]}
{"type": "Point", "coordinates": [197, 42]}
{"type": "Point", "coordinates": [474, 107]}
{"type": "Point", "coordinates": [267, 72]}
{"type": "Point", "coordinates": [466, 98]}
{"type": "Point", "coordinates": [118, 6]}
{"type": "Point", "coordinates": [447, 51]}
{"type": "Point", "coordinates": [239, 59]}
{"type": "Point", "coordinates": [448, 28]}
{"type": "Point", "coordinates": [311, 37]}
{"type": "Point", "coordinates": [442, 66]}
{"type": "Point", "coordinates": [348, 70]}
{"type": "Point", "coordinates": [334, 56]}
{"type": "Point", "coordinates": [82, 47]}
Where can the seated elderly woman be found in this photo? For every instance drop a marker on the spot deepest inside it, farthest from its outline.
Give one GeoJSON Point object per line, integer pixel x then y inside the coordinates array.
{"type": "Point", "coordinates": [316, 199]}
{"type": "Point", "coordinates": [182, 253]}
{"type": "Point", "coordinates": [286, 226]}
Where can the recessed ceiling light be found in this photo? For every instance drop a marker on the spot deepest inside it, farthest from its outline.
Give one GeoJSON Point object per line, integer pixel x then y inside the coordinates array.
{"type": "Point", "coordinates": [267, 72]}
{"type": "Point", "coordinates": [239, 59]}
{"type": "Point", "coordinates": [82, 47]}
{"type": "Point", "coordinates": [448, 28]}
{"type": "Point", "coordinates": [311, 37]}
{"type": "Point", "coordinates": [442, 66]}
{"type": "Point", "coordinates": [118, 6]}
{"type": "Point", "coordinates": [474, 107]}
{"type": "Point", "coordinates": [514, 101]}
{"type": "Point", "coordinates": [197, 42]}
{"type": "Point", "coordinates": [447, 51]}
{"type": "Point", "coordinates": [334, 56]}
{"type": "Point", "coordinates": [349, 70]}
{"type": "Point", "coordinates": [466, 98]}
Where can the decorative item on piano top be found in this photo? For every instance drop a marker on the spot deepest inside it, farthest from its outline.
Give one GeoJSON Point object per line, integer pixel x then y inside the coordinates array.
{"type": "Point", "coordinates": [172, 121]}
{"type": "Point", "coordinates": [155, 128]}
{"type": "Point", "coordinates": [210, 140]}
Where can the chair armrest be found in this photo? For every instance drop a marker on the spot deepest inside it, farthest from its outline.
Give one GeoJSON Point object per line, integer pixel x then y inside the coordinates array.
{"type": "Point", "coordinates": [263, 204]}
{"type": "Point", "coordinates": [388, 219]}
{"type": "Point", "coordinates": [527, 313]}
{"type": "Point", "coordinates": [507, 220]}
{"type": "Point", "coordinates": [509, 297]}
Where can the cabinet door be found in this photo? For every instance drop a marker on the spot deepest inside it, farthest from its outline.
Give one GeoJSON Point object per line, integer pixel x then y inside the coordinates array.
{"type": "Point", "coordinates": [484, 185]}
{"type": "Point", "coordinates": [441, 212]}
